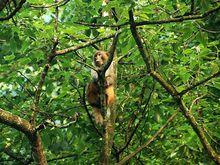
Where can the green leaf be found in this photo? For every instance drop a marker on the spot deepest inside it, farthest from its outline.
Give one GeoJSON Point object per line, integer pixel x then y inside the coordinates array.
{"type": "Point", "coordinates": [9, 57]}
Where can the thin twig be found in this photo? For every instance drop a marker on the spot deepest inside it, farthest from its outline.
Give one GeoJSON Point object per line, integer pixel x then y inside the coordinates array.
{"type": "Point", "coordinates": [28, 80]}
{"type": "Point", "coordinates": [192, 7]}
{"type": "Point", "coordinates": [207, 30]}
{"type": "Point", "coordinates": [194, 101]}
{"type": "Point", "coordinates": [46, 69]}
{"type": "Point", "coordinates": [87, 65]}
{"type": "Point", "coordinates": [59, 4]}
{"type": "Point", "coordinates": [140, 120]}
{"type": "Point", "coordinates": [153, 138]}
{"type": "Point", "coordinates": [199, 83]}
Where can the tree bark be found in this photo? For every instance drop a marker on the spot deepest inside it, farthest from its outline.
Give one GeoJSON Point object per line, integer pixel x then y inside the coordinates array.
{"type": "Point", "coordinates": [25, 127]}
{"type": "Point", "coordinates": [109, 135]}
{"type": "Point", "coordinates": [37, 149]}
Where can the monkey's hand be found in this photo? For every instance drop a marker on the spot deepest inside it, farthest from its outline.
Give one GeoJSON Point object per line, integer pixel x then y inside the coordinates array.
{"type": "Point", "coordinates": [109, 81]}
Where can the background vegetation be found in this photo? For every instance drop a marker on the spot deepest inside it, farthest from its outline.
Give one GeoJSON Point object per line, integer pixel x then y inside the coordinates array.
{"type": "Point", "coordinates": [168, 85]}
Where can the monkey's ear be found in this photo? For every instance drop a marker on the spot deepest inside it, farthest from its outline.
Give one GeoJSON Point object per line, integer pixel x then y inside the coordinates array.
{"type": "Point", "coordinates": [107, 54]}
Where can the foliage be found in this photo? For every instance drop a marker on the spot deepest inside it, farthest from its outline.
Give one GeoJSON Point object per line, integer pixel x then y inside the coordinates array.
{"type": "Point", "coordinates": [183, 52]}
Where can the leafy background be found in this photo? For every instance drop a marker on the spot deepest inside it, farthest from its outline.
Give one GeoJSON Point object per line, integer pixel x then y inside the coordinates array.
{"type": "Point", "coordinates": [184, 53]}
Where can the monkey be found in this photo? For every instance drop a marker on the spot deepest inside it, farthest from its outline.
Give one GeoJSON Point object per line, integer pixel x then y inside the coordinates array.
{"type": "Point", "coordinates": [93, 89]}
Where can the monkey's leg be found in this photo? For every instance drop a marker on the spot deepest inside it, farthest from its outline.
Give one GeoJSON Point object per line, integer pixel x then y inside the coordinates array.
{"type": "Point", "coordinates": [110, 95]}
{"type": "Point", "coordinates": [93, 94]}
{"type": "Point", "coordinates": [98, 116]}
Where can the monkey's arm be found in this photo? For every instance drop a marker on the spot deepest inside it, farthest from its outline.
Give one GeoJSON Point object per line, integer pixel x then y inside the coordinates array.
{"type": "Point", "coordinates": [109, 81]}
{"type": "Point", "coordinates": [110, 75]}
{"type": "Point", "coordinates": [94, 75]}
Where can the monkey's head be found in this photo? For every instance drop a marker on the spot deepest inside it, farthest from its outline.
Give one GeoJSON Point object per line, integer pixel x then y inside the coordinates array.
{"type": "Point", "coordinates": [100, 58]}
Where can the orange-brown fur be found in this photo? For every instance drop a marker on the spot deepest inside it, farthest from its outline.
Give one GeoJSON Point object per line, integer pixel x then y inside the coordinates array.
{"type": "Point", "coordinates": [93, 90]}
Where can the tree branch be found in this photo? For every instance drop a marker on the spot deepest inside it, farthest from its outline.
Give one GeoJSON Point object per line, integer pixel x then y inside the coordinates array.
{"type": "Point", "coordinates": [172, 91]}
{"type": "Point", "coordinates": [199, 83]}
{"type": "Point", "coordinates": [59, 4]}
{"type": "Point", "coordinates": [16, 122]}
{"type": "Point", "coordinates": [139, 149]}
{"type": "Point", "coordinates": [111, 54]}
{"type": "Point", "coordinates": [100, 25]}
{"type": "Point", "coordinates": [14, 11]}
{"type": "Point", "coordinates": [200, 133]}
{"type": "Point", "coordinates": [145, 55]}
{"type": "Point", "coordinates": [46, 68]}
{"type": "Point", "coordinates": [140, 120]}
{"type": "Point", "coordinates": [181, 18]}
{"type": "Point", "coordinates": [83, 45]}
{"type": "Point", "coordinates": [147, 59]}
{"type": "Point", "coordinates": [13, 155]}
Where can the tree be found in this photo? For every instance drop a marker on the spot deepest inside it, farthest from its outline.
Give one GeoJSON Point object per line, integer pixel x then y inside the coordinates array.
{"type": "Point", "coordinates": [167, 55]}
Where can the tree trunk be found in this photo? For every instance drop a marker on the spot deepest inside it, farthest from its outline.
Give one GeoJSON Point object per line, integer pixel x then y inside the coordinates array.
{"type": "Point", "coordinates": [37, 149]}
{"type": "Point", "coordinates": [109, 134]}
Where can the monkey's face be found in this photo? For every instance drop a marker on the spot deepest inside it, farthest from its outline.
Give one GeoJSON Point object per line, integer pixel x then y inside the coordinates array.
{"type": "Point", "coordinates": [100, 58]}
